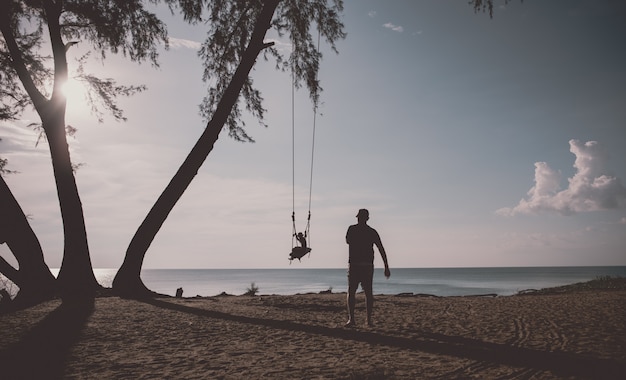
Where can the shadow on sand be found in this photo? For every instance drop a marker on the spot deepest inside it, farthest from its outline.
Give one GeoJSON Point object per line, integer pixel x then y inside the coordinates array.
{"type": "Point", "coordinates": [559, 363]}
{"type": "Point", "coordinates": [43, 352]}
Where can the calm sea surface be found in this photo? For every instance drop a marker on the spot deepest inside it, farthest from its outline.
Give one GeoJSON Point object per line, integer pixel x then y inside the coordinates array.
{"type": "Point", "coordinates": [435, 281]}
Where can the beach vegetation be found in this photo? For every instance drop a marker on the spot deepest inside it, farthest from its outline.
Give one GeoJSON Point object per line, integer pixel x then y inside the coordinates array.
{"type": "Point", "coordinates": [253, 290]}
{"type": "Point", "coordinates": [327, 291]}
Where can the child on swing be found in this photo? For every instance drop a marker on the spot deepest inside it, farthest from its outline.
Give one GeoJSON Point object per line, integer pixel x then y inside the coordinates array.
{"type": "Point", "coordinates": [298, 252]}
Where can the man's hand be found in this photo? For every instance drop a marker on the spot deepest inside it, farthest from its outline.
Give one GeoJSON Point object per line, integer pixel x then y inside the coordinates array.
{"type": "Point", "coordinates": [387, 272]}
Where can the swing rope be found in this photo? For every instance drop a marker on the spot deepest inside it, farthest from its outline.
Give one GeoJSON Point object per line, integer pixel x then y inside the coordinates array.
{"type": "Point", "coordinates": [293, 157]}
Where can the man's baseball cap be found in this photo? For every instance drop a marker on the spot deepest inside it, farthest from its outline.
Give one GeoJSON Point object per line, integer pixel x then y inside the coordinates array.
{"type": "Point", "coordinates": [363, 212]}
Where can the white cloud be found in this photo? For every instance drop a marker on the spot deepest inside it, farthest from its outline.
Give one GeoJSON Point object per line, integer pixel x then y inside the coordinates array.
{"type": "Point", "coordinates": [395, 28]}
{"type": "Point", "coordinates": [623, 220]}
{"type": "Point", "coordinates": [372, 14]}
{"type": "Point", "coordinates": [180, 43]}
{"type": "Point", "coordinates": [16, 138]}
{"type": "Point", "coordinates": [590, 189]}
{"type": "Point", "coordinates": [21, 144]}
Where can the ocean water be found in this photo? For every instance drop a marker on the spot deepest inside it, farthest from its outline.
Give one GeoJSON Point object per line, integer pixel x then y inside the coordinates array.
{"type": "Point", "coordinates": [434, 281]}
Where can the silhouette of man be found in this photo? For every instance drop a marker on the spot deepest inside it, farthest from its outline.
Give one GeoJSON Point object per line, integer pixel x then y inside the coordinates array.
{"type": "Point", "coordinates": [361, 239]}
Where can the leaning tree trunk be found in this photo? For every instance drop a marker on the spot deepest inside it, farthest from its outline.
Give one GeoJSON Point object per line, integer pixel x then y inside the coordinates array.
{"type": "Point", "coordinates": [127, 281]}
{"type": "Point", "coordinates": [33, 277]}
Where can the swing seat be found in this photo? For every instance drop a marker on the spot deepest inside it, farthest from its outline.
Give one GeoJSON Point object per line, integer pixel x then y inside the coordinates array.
{"type": "Point", "coordinates": [298, 253]}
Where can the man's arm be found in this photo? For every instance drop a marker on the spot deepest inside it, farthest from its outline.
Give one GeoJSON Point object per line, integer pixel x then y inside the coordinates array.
{"type": "Point", "coordinates": [383, 254]}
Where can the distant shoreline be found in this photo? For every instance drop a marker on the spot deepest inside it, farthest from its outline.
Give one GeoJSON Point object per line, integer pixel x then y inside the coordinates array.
{"type": "Point", "coordinates": [296, 280]}
{"type": "Point", "coordinates": [600, 284]}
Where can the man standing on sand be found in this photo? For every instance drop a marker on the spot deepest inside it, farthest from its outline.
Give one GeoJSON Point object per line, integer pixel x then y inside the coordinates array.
{"type": "Point", "coordinates": [361, 239]}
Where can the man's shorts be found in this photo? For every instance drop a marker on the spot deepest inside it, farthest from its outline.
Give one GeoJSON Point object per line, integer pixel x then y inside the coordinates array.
{"type": "Point", "coordinates": [360, 274]}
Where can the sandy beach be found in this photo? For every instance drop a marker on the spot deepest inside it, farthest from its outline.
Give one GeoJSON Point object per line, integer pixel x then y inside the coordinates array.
{"type": "Point", "coordinates": [566, 335]}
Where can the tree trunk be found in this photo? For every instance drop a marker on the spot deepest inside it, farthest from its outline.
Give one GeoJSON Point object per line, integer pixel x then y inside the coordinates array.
{"type": "Point", "coordinates": [127, 281]}
{"type": "Point", "coordinates": [34, 278]}
{"type": "Point", "coordinates": [76, 278]}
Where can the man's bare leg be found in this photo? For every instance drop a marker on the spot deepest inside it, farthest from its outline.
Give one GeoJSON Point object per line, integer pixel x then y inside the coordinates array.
{"type": "Point", "coordinates": [351, 304]}
{"type": "Point", "coordinates": [369, 304]}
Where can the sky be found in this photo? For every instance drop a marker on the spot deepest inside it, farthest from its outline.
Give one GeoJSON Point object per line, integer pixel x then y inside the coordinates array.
{"type": "Point", "coordinates": [474, 142]}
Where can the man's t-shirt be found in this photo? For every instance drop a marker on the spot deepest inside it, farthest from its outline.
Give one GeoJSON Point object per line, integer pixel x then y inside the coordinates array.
{"type": "Point", "coordinates": [361, 239]}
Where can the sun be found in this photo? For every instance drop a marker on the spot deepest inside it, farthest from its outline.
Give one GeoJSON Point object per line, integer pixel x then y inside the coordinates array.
{"type": "Point", "coordinates": [73, 90]}
{"type": "Point", "coordinates": [76, 97]}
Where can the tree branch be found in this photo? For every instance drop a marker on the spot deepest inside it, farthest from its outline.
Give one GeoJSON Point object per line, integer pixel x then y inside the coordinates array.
{"type": "Point", "coordinates": [53, 13]}
{"type": "Point", "coordinates": [16, 58]}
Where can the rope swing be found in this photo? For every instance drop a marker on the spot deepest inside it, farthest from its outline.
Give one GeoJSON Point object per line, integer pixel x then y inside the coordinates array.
{"type": "Point", "coordinates": [303, 238]}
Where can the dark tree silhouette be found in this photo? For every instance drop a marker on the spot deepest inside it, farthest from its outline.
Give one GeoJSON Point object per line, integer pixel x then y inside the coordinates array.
{"type": "Point", "coordinates": [238, 29]}
{"type": "Point", "coordinates": [33, 277]}
{"type": "Point", "coordinates": [108, 26]}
